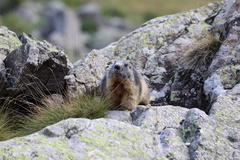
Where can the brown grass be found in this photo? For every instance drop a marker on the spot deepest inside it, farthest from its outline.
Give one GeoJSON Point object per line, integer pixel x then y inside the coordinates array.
{"type": "Point", "coordinates": [202, 54]}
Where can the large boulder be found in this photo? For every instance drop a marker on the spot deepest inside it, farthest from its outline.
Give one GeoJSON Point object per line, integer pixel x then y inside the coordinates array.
{"type": "Point", "coordinates": [8, 42]}
{"type": "Point", "coordinates": [188, 59]}
{"type": "Point", "coordinates": [37, 67]}
{"type": "Point", "coordinates": [158, 49]}
{"type": "Point", "coordinates": [165, 132]}
{"type": "Point", "coordinates": [226, 107]}
{"type": "Point", "coordinates": [226, 64]}
{"type": "Point", "coordinates": [31, 67]}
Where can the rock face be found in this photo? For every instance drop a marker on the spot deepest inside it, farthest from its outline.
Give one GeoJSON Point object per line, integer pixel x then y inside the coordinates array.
{"type": "Point", "coordinates": [188, 59]}
{"type": "Point", "coordinates": [156, 48]}
{"type": "Point", "coordinates": [9, 42]}
{"type": "Point", "coordinates": [29, 66]}
{"type": "Point", "coordinates": [192, 64]}
{"type": "Point", "coordinates": [165, 132]}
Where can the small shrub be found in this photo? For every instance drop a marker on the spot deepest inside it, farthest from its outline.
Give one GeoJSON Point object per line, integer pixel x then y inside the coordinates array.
{"type": "Point", "coordinates": [40, 116]}
{"type": "Point", "coordinates": [86, 106]}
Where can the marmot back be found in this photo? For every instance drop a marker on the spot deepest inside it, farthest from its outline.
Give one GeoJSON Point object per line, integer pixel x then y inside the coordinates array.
{"type": "Point", "coordinates": [124, 86]}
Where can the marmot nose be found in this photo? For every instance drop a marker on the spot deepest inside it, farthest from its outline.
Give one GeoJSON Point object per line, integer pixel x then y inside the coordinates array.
{"type": "Point", "coordinates": [117, 67]}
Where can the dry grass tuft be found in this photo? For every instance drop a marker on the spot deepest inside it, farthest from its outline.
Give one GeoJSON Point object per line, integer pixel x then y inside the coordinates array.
{"type": "Point", "coordinates": [48, 113]}
{"type": "Point", "coordinates": [202, 54]}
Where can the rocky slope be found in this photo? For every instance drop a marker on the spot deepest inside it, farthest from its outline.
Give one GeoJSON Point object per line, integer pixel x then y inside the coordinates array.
{"type": "Point", "coordinates": [191, 61]}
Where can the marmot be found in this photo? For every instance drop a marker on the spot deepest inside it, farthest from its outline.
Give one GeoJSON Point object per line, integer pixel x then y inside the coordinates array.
{"type": "Point", "coordinates": [124, 86]}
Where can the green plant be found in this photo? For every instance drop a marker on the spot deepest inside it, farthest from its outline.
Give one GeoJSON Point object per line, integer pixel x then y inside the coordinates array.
{"type": "Point", "coordinates": [5, 125]}
{"type": "Point", "coordinates": [49, 112]}
{"type": "Point", "coordinates": [89, 25]}
{"type": "Point", "coordinates": [85, 106]}
{"type": "Point", "coordinates": [16, 23]}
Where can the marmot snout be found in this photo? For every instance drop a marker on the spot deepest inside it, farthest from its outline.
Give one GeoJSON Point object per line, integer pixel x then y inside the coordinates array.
{"type": "Point", "coordinates": [124, 86]}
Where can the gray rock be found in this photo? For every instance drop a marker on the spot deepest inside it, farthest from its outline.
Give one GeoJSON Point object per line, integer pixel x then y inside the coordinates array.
{"type": "Point", "coordinates": [156, 48]}
{"type": "Point", "coordinates": [62, 27]}
{"type": "Point", "coordinates": [212, 86]}
{"type": "Point", "coordinates": [36, 67]}
{"type": "Point", "coordinates": [207, 138]}
{"type": "Point", "coordinates": [123, 116]}
{"type": "Point", "coordinates": [162, 48]}
{"type": "Point", "coordinates": [226, 64]}
{"type": "Point", "coordinates": [83, 139]}
{"type": "Point", "coordinates": [226, 108]}
{"type": "Point", "coordinates": [8, 42]}
{"type": "Point", "coordinates": [190, 134]}
{"type": "Point", "coordinates": [158, 118]}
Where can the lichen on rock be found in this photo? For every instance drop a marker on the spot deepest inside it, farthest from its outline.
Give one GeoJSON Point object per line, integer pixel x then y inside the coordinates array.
{"type": "Point", "coordinates": [191, 63]}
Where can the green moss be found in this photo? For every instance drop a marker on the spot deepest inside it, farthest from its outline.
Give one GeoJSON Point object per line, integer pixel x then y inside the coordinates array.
{"type": "Point", "coordinates": [8, 40]}
{"type": "Point", "coordinates": [219, 130]}
{"type": "Point", "coordinates": [102, 154]}
{"type": "Point", "coordinates": [161, 41]}
{"type": "Point", "coordinates": [90, 148]}
{"type": "Point", "coordinates": [188, 131]}
{"type": "Point", "coordinates": [171, 155]}
{"type": "Point", "coordinates": [178, 139]}
{"type": "Point", "coordinates": [124, 137]}
{"type": "Point", "coordinates": [228, 76]}
{"type": "Point", "coordinates": [146, 125]}
{"type": "Point", "coordinates": [163, 158]}
{"type": "Point", "coordinates": [21, 157]}
{"type": "Point", "coordinates": [174, 96]}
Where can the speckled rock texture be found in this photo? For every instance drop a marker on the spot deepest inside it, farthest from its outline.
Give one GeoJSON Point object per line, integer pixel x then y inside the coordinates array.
{"type": "Point", "coordinates": [30, 67]}
{"type": "Point", "coordinates": [191, 62]}
{"type": "Point", "coordinates": [177, 54]}
{"type": "Point", "coordinates": [163, 132]}
{"type": "Point", "coordinates": [8, 42]}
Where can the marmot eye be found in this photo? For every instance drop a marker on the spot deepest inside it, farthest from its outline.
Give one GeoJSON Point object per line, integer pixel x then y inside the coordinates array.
{"type": "Point", "coordinates": [125, 64]}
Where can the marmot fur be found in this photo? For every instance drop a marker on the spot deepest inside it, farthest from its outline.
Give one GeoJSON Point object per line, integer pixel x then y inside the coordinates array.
{"type": "Point", "coordinates": [124, 86]}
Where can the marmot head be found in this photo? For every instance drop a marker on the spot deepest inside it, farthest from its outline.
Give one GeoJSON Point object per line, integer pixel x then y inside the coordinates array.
{"type": "Point", "coordinates": [122, 69]}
